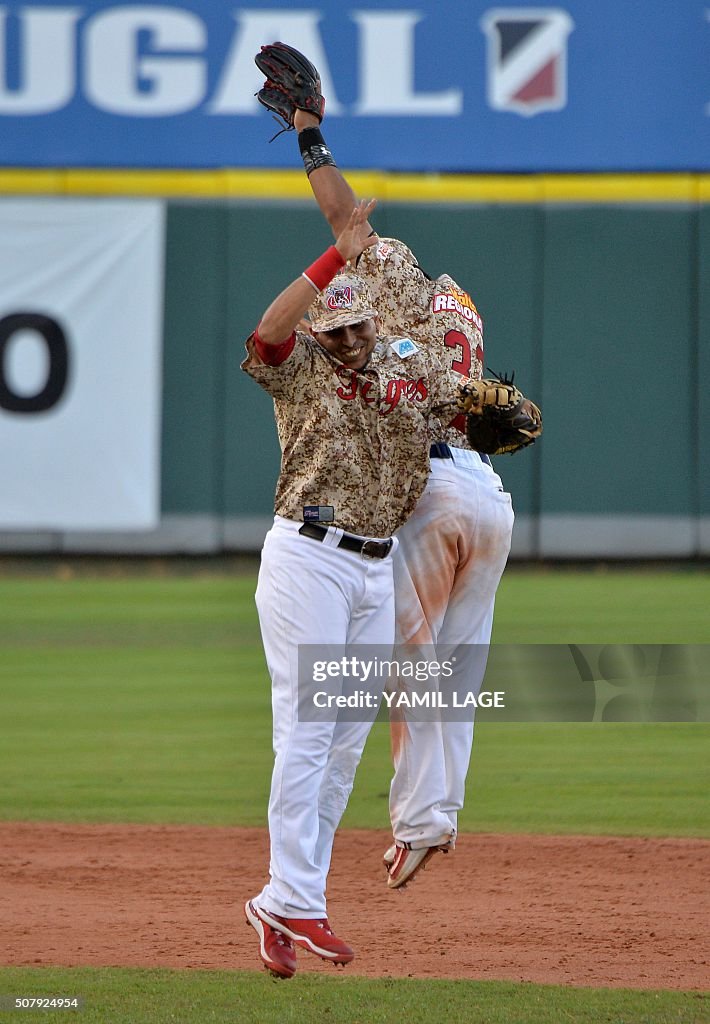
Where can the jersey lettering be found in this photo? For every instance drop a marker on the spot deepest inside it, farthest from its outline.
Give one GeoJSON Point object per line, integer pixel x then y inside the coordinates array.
{"type": "Point", "coordinates": [459, 302]}
{"type": "Point", "coordinates": [365, 390]}
{"type": "Point", "coordinates": [456, 339]}
{"type": "Point", "coordinates": [347, 394]}
{"type": "Point", "coordinates": [412, 390]}
{"type": "Point", "coordinates": [397, 388]}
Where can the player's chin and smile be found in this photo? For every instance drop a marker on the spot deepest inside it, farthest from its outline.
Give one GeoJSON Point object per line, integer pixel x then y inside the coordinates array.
{"type": "Point", "coordinates": [351, 345]}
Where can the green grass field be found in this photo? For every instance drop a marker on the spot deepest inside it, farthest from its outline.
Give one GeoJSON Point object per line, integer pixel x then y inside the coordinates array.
{"type": "Point", "coordinates": [165, 997]}
{"type": "Point", "coordinates": [145, 698]}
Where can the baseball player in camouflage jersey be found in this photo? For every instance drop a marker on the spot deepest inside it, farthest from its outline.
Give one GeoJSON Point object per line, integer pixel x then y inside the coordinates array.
{"type": "Point", "coordinates": [453, 549]}
{"type": "Point", "coordinates": [353, 423]}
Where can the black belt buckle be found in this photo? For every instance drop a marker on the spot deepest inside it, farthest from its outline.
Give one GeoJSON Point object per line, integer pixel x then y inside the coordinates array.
{"type": "Point", "coordinates": [376, 548]}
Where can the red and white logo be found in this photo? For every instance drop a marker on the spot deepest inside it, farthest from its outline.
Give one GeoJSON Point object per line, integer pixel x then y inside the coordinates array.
{"type": "Point", "coordinates": [339, 298]}
{"type": "Point", "coordinates": [527, 58]}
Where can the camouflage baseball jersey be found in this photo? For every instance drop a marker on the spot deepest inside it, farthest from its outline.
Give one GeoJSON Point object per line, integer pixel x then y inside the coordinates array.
{"type": "Point", "coordinates": [437, 314]}
{"type": "Point", "coordinates": [354, 443]}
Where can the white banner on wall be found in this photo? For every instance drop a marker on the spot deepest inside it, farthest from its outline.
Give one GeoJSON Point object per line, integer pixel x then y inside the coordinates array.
{"type": "Point", "coordinates": [81, 298]}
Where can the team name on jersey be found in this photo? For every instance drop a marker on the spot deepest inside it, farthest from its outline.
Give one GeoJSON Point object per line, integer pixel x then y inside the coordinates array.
{"type": "Point", "coordinates": [398, 389]}
{"type": "Point", "coordinates": [455, 301]}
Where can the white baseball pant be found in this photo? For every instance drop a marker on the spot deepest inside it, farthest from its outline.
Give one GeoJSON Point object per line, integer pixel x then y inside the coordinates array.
{"type": "Point", "coordinates": [312, 592]}
{"type": "Point", "coordinates": [451, 556]}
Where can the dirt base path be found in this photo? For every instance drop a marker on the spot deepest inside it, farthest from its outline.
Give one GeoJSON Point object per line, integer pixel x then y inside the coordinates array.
{"type": "Point", "coordinates": [566, 910]}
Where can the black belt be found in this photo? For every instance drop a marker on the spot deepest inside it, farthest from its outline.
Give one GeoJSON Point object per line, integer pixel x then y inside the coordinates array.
{"type": "Point", "coordinates": [442, 451]}
{"type": "Point", "coordinates": [361, 545]}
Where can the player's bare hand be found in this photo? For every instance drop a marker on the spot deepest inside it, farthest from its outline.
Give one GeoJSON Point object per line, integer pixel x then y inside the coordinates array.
{"type": "Point", "coordinates": [357, 235]}
{"type": "Point", "coordinates": [304, 119]}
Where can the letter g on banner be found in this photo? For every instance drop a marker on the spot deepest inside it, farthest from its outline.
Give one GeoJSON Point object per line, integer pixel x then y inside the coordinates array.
{"type": "Point", "coordinates": [55, 384]}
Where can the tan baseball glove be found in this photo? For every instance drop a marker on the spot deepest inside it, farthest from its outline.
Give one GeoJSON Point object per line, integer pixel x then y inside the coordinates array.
{"type": "Point", "coordinates": [499, 418]}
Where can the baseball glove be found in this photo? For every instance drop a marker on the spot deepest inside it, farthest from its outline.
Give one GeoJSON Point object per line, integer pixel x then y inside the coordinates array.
{"type": "Point", "coordinates": [499, 418]}
{"type": "Point", "coordinates": [292, 83]}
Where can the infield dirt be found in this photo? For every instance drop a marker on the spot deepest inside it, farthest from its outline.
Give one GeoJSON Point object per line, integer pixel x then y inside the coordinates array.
{"type": "Point", "coordinates": [599, 911]}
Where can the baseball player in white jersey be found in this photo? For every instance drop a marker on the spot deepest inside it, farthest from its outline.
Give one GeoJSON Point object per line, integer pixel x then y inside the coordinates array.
{"type": "Point", "coordinates": [353, 422]}
{"type": "Point", "coordinates": [453, 549]}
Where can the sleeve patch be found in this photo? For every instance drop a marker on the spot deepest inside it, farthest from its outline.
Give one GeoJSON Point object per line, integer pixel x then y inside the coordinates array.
{"type": "Point", "coordinates": [383, 250]}
{"type": "Point", "coordinates": [404, 347]}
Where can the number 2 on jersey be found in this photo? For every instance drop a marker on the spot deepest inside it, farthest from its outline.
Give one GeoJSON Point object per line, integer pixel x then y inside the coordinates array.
{"type": "Point", "coordinates": [456, 339]}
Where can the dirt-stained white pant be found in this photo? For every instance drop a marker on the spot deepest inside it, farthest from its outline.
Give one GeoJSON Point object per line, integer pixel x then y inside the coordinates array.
{"type": "Point", "coordinates": [312, 592]}
{"type": "Point", "coordinates": [451, 556]}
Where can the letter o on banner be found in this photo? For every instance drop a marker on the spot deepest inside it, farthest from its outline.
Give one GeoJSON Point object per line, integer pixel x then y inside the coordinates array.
{"type": "Point", "coordinates": [58, 352]}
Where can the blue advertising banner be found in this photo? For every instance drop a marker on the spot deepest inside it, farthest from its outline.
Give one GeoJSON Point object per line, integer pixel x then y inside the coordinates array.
{"type": "Point", "coordinates": [424, 85]}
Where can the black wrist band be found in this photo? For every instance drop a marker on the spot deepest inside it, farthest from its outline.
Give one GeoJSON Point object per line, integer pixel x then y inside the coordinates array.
{"type": "Point", "coordinates": [314, 151]}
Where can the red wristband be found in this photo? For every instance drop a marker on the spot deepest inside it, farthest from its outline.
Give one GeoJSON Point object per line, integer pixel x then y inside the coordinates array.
{"type": "Point", "coordinates": [322, 272]}
{"type": "Point", "coordinates": [274, 355]}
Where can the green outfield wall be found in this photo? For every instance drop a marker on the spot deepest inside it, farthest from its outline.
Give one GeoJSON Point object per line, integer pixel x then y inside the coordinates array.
{"type": "Point", "coordinates": [602, 311]}
{"type": "Point", "coordinates": [598, 299]}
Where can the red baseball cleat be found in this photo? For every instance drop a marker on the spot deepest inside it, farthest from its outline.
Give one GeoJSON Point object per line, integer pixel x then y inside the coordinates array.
{"type": "Point", "coordinates": [275, 948]}
{"type": "Point", "coordinates": [408, 863]}
{"type": "Point", "coordinates": [314, 935]}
